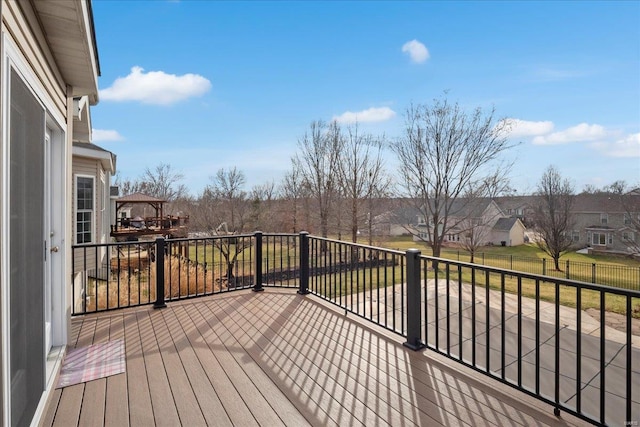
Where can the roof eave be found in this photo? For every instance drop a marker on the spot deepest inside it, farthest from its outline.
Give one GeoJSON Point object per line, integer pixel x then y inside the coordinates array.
{"type": "Point", "coordinates": [71, 37]}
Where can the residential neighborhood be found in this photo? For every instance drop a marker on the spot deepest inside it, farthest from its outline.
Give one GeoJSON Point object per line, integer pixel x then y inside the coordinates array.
{"type": "Point", "coordinates": [135, 290]}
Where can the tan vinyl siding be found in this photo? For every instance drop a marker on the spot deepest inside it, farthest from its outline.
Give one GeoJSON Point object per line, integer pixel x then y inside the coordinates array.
{"type": "Point", "coordinates": [86, 259]}
{"type": "Point", "coordinates": [20, 21]}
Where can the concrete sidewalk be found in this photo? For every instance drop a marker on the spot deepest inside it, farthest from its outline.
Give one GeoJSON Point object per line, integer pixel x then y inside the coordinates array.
{"type": "Point", "coordinates": [568, 316]}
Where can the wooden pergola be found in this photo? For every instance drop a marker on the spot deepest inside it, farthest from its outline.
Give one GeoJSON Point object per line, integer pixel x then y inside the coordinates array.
{"type": "Point", "coordinates": [126, 228]}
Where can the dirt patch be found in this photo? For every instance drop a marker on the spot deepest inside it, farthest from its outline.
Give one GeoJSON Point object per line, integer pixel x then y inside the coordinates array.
{"type": "Point", "coordinates": [616, 321]}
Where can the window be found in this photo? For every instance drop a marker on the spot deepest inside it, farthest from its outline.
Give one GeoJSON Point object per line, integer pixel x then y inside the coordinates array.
{"type": "Point", "coordinates": [627, 219]}
{"type": "Point", "coordinates": [601, 239]}
{"type": "Point", "coordinates": [628, 236]}
{"type": "Point", "coordinates": [604, 218]}
{"type": "Point", "coordinates": [575, 236]}
{"type": "Point", "coordinates": [84, 209]}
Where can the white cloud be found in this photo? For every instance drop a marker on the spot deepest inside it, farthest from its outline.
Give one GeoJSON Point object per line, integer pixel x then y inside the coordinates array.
{"type": "Point", "coordinates": [155, 87]}
{"type": "Point", "coordinates": [370, 115]}
{"type": "Point", "coordinates": [628, 146]}
{"type": "Point", "coordinates": [416, 50]}
{"type": "Point", "coordinates": [581, 133]}
{"type": "Point", "coordinates": [106, 135]}
{"type": "Point", "coordinates": [522, 128]}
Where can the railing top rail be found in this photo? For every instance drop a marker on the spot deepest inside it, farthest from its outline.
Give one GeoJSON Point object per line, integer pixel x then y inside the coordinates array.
{"type": "Point", "coordinates": [552, 279]}
{"type": "Point", "coordinates": [112, 244]}
{"type": "Point", "coordinates": [228, 236]}
{"type": "Point", "coordinates": [280, 234]}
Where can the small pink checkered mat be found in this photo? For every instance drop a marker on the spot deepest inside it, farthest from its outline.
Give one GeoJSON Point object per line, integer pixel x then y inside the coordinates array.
{"type": "Point", "coordinates": [90, 363]}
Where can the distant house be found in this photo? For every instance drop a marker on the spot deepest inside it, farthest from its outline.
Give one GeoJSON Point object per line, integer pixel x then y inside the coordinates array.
{"type": "Point", "coordinates": [603, 224]}
{"type": "Point", "coordinates": [601, 221]}
{"type": "Point", "coordinates": [400, 221]}
{"type": "Point", "coordinates": [479, 222]}
{"type": "Point", "coordinates": [517, 207]}
{"type": "Point", "coordinates": [508, 231]}
{"type": "Point", "coordinates": [49, 73]}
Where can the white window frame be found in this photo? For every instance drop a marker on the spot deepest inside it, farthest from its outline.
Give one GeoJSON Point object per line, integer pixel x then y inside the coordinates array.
{"type": "Point", "coordinates": [604, 218]}
{"type": "Point", "coordinates": [92, 211]}
{"type": "Point", "coordinates": [628, 236]}
{"type": "Point", "coordinates": [608, 238]}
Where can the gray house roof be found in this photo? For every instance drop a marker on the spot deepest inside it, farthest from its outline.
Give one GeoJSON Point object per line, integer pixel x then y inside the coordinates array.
{"type": "Point", "coordinates": [92, 151]}
{"type": "Point", "coordinates": [505, 224]}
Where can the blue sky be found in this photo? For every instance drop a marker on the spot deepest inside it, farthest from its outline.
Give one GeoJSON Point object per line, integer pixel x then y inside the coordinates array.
{"type": "Point", "coordinates": [204, 85]}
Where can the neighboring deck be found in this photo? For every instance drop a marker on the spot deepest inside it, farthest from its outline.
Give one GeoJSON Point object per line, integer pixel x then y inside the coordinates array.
{"type": "Point", "coordinates": [276, 358]}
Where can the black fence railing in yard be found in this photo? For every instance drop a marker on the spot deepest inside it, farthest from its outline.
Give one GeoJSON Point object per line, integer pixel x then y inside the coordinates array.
{"type": "Point", "coordinates": [568, 343]}
{"type": "Point", "coordinates": [619, 276]}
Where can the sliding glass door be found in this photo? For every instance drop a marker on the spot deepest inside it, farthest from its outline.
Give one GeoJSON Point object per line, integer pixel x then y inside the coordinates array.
{"type": "Point", "coordinates": [27, 250]}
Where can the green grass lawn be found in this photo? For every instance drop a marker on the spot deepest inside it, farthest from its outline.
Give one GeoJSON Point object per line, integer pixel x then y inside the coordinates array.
{"type": "Point", "coordinates": [529, 251]}
{"type": "Point", "coordinates": [522, 258]}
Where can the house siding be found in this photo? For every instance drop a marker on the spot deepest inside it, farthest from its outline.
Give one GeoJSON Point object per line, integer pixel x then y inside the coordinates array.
{"type": "Point", "coordinates": [20, 22]}
{"type": "Point", "coordinates": [27, 49]}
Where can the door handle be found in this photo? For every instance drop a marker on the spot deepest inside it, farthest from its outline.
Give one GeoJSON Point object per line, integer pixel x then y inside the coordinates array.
{"type": "Point", "coordinates": [55, 249]}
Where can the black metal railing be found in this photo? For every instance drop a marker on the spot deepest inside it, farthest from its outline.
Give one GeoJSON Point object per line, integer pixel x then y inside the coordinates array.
{"type": "Point", "coordinates": [532, 332]}
{"type": "Point", "coordinates": [363, 280]}
{"type": "Point", "coordinates": [546, 336]}
{"type": "Point", "coordinates": [118, 275]}
{"type": "Point", "coordinates": [568, 343]}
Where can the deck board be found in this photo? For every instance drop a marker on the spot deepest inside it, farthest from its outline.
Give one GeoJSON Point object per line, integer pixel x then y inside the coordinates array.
{"type": "Point", "coordinates": [186, 403]}
{"type": "Point", "coordinates": [239, 375]}
{"type": "Point", "coordinates": [140, 408]}
{"type": "Point", "coordinates": [116, 411]}
{"type": "Point", "coordinates": [203, 344]}
{"type": "Point", "coordinates": [164, 407]}
{"type": "Point", "coordinates": [276, 358]}
{"type": "Point", "coordinates": [205, 394]}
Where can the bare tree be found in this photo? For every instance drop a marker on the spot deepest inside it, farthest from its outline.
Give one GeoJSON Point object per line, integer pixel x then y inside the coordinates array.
{"type": "Point", "coordinates": [477, 224]}
{"type": "Point", "coordinates": [631, 205]}
{"type": "Point", "coordinates": [126, 185]}
{"type": "Point", "coordinates": [361, 174]}
{"type": "Point", "coordinates": [224, 211]}
{"type": "Point", "coordinates": [163, 183]}
{"type": "Point", "coordinates": [317, 161]}
{"type": "Point", "coordinates": [616, 187]}
{"type": "Point", "coordinates": [262, 206]}
{"type": "Point", "coordinates": [447, 155]}
{"type": "Point", "coordinates": [629, 199]}
{"type": "Point", "coordinates": [293, 190]}
{"type": "Point", "coordinates": [552, 214]}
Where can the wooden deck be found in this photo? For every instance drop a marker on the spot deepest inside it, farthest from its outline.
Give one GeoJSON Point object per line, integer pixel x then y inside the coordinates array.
{"type": "Point", "coordinates": [276, 358]}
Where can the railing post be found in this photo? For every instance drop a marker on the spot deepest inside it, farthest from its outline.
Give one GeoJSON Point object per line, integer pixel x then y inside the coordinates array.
{"type": "Point", "coordinates": [160, 248]}
{"type": "Point", "coordinates": [304, 263]}
{"type": "Point", "coordinates": [567, 270]}
{"type": "Point", "coordinates": [257, 277]}
{"type": "Point", "coordinates": [413, 301]}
